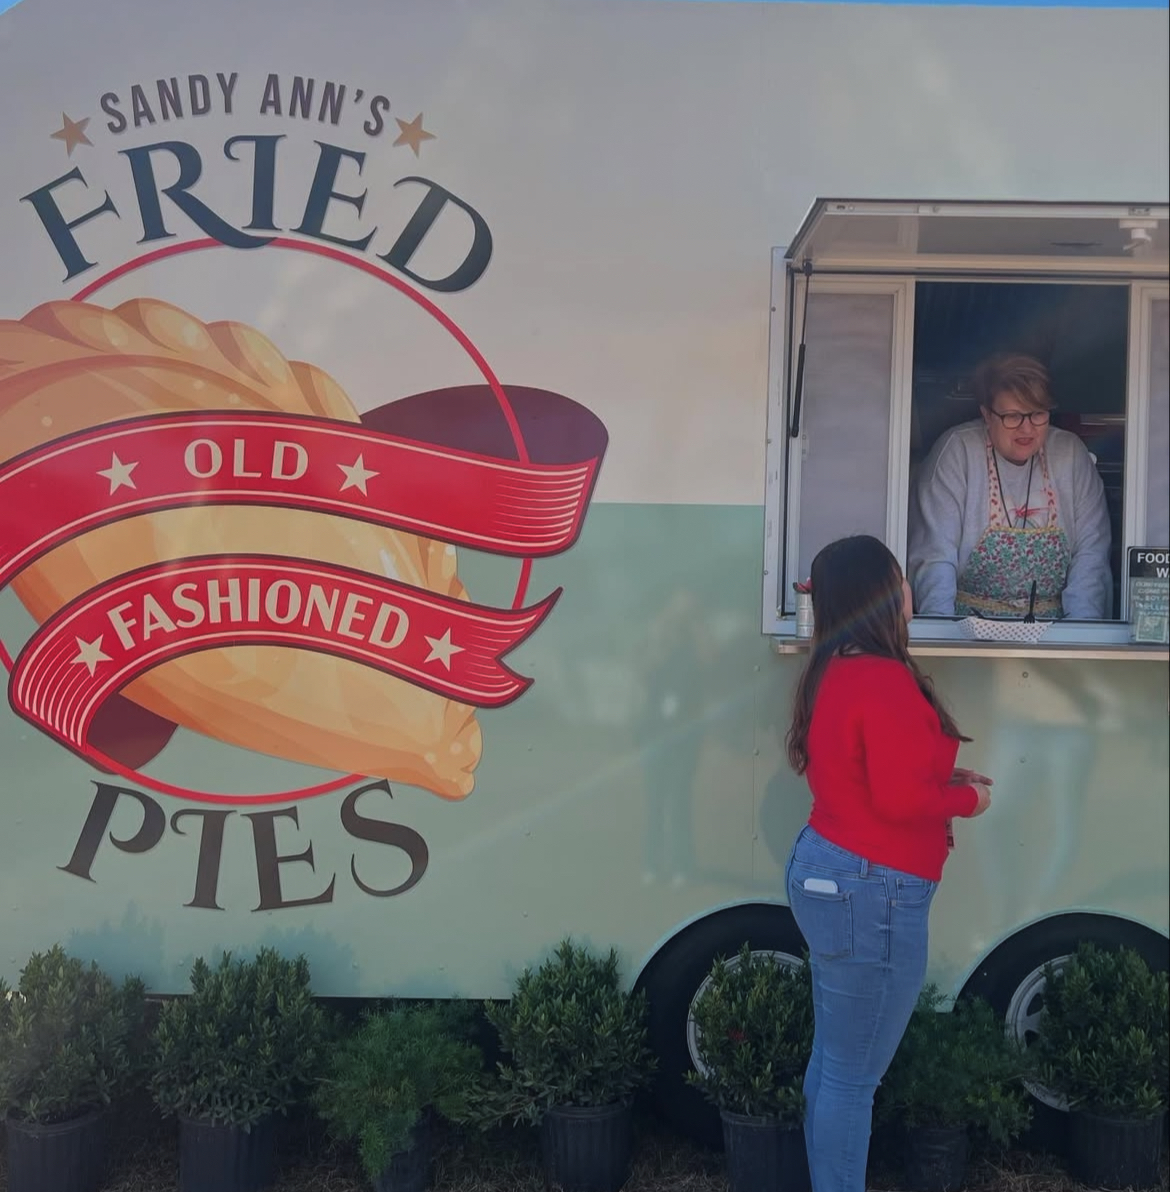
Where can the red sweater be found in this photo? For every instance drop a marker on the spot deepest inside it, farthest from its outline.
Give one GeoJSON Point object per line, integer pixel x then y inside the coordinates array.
{"type": "Point", "coordinates": [880, 767]}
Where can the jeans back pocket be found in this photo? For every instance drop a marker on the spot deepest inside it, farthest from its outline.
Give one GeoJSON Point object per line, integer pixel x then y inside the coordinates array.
{"type": "Point", "coordinates": [825, 921]}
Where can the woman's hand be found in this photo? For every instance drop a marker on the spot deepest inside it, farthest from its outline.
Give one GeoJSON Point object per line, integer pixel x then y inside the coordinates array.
{"type": "Point", "coordinates": [984, 799]}
{"type": "Point", "coordinates": [962, 777]}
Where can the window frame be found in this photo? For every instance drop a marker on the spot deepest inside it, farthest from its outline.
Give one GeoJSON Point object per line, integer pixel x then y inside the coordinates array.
{"type": "Point", "coordinates": [782, 478]}
{"type": "Point", "coordinates": [1142, 296]}
{"type": "Point", "coordinates": [901, 376]}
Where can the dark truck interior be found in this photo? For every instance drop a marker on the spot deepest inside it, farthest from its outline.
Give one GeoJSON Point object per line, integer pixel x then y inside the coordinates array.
{"type": "Point", "coordinates": [1079, 331]}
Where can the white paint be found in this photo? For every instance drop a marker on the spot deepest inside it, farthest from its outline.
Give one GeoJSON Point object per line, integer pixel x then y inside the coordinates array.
{"type": "Point", "coordinates": [636, 165]}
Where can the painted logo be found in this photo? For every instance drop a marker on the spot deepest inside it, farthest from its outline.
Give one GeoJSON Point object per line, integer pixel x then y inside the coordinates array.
{"type": "Point", "coordinates": [212, 535]}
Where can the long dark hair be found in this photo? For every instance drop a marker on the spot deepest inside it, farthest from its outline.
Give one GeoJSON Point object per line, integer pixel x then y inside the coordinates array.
{"type": "Point", "coordinates": [857, 608]}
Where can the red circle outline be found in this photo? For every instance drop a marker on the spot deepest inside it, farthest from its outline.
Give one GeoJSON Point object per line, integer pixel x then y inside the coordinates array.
{"type": "Point", "coordinates": [460, 337]}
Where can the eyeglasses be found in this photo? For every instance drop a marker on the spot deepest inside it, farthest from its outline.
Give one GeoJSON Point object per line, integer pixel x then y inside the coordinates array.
{"type": "Point", "coordinates": [1014, 419]}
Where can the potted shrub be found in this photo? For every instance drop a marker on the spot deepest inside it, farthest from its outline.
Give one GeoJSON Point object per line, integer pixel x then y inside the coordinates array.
{"type": "Point", "coordinates": [69, 1043]}
{"type": "Point", "coordinates": [753, 1022]}
{"type": "Point", "coordinates": [229, 1057]}
{"type": "Point", "coordinates": [954, 1074]}
{"type": "Point", "coordinates": [382, 1084]}
{"type": "Point", "coordinates": [1105, 1046]}
{"type": "Point", "coordinates": [577, 1046]}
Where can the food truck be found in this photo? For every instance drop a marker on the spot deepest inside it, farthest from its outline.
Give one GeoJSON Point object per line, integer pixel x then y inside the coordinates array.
{"type": "Point", "coordinates": [414, 419]}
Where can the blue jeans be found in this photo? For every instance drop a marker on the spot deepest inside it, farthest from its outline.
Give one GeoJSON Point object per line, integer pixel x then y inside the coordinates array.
{"type": "Point", "coordinates": [867, 946]}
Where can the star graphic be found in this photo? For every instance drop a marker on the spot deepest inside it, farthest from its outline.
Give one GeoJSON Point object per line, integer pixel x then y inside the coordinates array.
{"type": "Point", "coordinates": [72, 133]}
{"type": "Point", "coordinates": [441, 649]}
{"type": "Point", "coordinates": [118, 474]}
{"type": "Point", "coordinates": [413, 133]}
{"type": "Point", "coordinates": [91, 653]}
{"type": "Point", "coordinates": [356, 475]}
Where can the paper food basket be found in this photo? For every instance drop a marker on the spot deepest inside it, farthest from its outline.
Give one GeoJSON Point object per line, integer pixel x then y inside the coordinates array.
{"type": "Point", "coordinates": [985, 630]}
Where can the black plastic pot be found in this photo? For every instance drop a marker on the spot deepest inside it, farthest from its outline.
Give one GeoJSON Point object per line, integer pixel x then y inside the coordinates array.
{"type": "Point", "coordinates": [588, 1150]}
{"type": "Point", "coordinates": [1109, 1152]}
{"type": "Point", "coordinates": [409, 1170]}
{"type": "Point", "coordinates": [219, 1158]}
{"type": "Point", "coordinates": [62, 1157]}
{"type": "Point", "coordinates": [936, 1158]}
{"type": "Point", "coordinates": [763, 1155]}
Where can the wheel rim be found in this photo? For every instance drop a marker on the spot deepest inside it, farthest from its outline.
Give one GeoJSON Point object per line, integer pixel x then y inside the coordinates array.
{"type": "Point", "coordinates": [785, 959]}
{"type": "Point", "coordinates": [1023, 1023]}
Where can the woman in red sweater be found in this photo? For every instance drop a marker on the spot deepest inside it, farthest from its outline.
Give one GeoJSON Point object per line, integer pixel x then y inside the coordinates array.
{"type": "Point", "coordinates": [879, 751]}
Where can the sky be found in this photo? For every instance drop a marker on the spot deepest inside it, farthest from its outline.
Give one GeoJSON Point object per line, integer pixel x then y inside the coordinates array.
{"type": "Point", "coordinates": [4, 4]}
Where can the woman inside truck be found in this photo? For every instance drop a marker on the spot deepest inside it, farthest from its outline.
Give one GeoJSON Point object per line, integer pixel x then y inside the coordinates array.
{"type": "Point", "coordinates": [1008, 517]}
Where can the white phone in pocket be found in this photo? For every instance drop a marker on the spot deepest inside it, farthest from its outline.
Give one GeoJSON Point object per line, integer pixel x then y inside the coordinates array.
{"type": "Point", "coordinates": [820, 885]}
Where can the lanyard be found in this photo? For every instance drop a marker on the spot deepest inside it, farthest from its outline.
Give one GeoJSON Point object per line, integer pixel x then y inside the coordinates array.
{"type": "Point", "coordinates": [1003, 498]}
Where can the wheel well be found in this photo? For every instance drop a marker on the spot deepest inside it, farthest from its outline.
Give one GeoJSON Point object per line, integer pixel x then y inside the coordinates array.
{"type": "Point", "coordinates": [1123, 932]}
{"type": "Point", "coordinates": [711, 921]}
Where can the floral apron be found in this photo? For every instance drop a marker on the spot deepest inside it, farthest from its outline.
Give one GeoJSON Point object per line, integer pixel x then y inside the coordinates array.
{"type": "Point", "coordinates": [1011, 555]}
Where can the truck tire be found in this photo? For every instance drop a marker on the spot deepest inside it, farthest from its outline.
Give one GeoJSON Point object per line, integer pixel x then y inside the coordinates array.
{"type": "Point", "coordinates": [1011, 979]}
{"type": "Point", "coordinates": [673, 978]}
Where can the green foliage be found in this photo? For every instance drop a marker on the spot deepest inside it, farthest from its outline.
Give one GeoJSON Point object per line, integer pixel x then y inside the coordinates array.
{"type": "Point", "coordinates": [70, 1039]}
{"type": "Point", "coordinates": [957, 1069]}
{"type": "Point", "coordinates": [384, 1076]}
{"type": "Point", "coordinates": [754, 1023]}
{"type": "Point", "coordinates": [1105, 1034]}
{"type": "Point", "coordinates": [243, 1044]}
{"type": "Point", "coordinates": [575, 1037]}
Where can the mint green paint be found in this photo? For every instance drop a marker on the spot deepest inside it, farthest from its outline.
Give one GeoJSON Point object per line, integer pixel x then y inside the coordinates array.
{"type": "Point", "coordinates": [603, 807]}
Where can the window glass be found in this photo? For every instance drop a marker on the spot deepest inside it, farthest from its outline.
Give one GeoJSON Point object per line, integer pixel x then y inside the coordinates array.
{"type": "Point", "coordinates": [845, 420]}
{"type": "Point", "coordinates": [1157, 490]}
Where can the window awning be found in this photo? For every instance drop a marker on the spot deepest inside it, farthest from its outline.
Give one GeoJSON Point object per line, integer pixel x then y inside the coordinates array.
{"type": "Point", "coordinates": [1132, 238]}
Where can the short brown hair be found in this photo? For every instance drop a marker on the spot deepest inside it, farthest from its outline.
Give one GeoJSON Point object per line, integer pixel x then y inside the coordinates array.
{"type": "Point", "coordinates": [1009, 372]}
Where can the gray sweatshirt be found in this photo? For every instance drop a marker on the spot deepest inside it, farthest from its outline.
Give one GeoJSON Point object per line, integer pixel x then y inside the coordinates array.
{"type": "Point", "coordinates": [950, 509]}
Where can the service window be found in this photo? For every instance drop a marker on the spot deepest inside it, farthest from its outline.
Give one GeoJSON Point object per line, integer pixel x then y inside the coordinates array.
{"type": "Point", "coordinates": [882, 313]}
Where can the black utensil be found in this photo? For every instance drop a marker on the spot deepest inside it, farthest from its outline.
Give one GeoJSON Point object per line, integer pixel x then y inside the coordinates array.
{"type": "Point", "coordinates": [1030, 619]}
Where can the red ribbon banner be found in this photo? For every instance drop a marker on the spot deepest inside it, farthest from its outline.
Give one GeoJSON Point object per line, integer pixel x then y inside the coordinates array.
{"type": "Point", "coordinates": [448, 477]}
{"type": "Point", "coordinates": [142, 465]}
{"type": "Point", "coordinates": [117, 631]}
